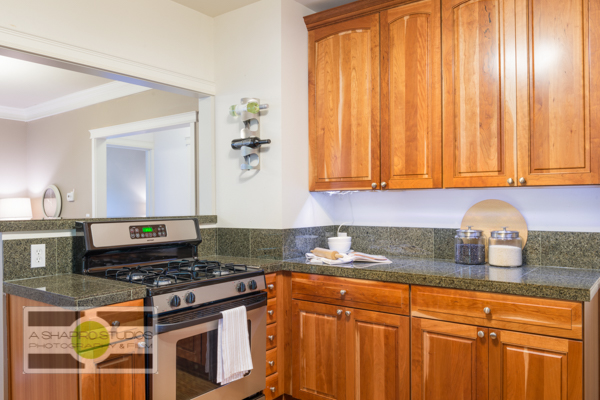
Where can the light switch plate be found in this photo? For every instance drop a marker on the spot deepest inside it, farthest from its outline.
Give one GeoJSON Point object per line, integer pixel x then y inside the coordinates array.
{"type": "Point", "coordinates": [38, 255]}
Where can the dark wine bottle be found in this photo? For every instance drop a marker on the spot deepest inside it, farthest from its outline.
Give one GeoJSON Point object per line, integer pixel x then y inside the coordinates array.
{"type": "Point", "coordinates": [252, 142]}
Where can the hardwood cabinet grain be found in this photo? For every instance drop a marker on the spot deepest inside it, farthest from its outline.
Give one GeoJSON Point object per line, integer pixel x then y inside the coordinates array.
{"type": "Point", "coordinates": [344, 105]}
{"type": "Point", "coordinates": [411, 140]}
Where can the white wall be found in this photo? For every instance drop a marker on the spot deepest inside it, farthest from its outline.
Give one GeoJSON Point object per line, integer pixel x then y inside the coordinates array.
{"type": "Point", "coordinates": [125, 183]}
{"type": "Point", "coordinates": [248, 64]}
{"type": "Point", "coordinates": [13, 159]}
{"type": "Point", "coordinates": [172, 169]}
{"type": "Point", "coordinates": [157, 40]}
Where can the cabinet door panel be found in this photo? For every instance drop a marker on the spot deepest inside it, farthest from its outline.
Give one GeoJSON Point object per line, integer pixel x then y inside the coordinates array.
{"type": "Point", "coordinates": [479, 97]}
{"type": "Point", "coordinates": [530, 367]}
{"type": "Point", "coordinates": [319, 352]}
{"type": "Point", "coordinates": [116, 386]}
{"type": "Point", "coordinates": [449, 361]}
{"type": "Point", "coordinates": [557, 145]}
{"type": "Point", "coordinates": [378, 356]}
{"type": "Point", "coordinates": [410, 96]}
{"type": "Point", "coordinates": [344, 105]}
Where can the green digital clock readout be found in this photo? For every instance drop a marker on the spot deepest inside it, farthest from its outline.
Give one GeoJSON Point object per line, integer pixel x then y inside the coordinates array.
{"type": "Point", "coordinates": [146, 230]}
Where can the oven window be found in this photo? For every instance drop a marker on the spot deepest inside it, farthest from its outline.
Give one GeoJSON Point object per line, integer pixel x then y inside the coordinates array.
{"type": "Point", "coordinates": [197, 364]}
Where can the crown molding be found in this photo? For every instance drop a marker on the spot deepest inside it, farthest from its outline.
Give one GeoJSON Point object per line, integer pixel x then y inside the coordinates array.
{"type": "Point", "coordinates": [15, 114]}
{"type": "Point", "coordinates": [37, 45]}
{"type": "Point", "coordinates": [73, 101]}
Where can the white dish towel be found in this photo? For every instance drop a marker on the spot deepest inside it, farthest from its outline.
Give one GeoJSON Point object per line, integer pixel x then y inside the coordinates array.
{"type": "Point", "coordinates": [234, 359]}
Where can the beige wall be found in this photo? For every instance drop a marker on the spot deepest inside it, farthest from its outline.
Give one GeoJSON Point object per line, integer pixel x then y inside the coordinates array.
{"type": "Point", "coordinates": [13, 159]}
{"type": "Point", "coordinates": [59, 147]}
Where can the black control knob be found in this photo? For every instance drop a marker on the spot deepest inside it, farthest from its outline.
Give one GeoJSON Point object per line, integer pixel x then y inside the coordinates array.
{"type": "Point", "coordinates": [241, 287]}
{"type": "Point", "coordinates": [252, 285]}
{"type": "Point", "coordinates": [175, 301]}
{"type": "Point", "coordinates": [190, 298]}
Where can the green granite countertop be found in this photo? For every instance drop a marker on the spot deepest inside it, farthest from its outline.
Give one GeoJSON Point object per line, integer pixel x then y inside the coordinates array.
{"type": "Point", "coordinates": [72, 290]}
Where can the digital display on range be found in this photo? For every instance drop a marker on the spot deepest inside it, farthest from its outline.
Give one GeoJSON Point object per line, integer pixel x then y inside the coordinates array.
{"type": "Point", "coordinates": [147, 232]}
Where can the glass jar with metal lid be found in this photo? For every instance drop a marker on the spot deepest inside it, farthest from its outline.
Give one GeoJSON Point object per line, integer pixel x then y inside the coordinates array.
{"type": "Point", "coordinates": [469, 246]}
{"type": "Point", "coordinates": [505, 249]}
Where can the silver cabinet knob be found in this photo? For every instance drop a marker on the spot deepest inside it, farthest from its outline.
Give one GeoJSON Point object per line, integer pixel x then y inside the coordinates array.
{"type": "Point", "coordinates": [339, 312]}
{"type": "Point", "coordinates": [374, 185]}
{"type": "Point", "coordinates": [271, 337]}
{"type": "Point", "coordinates": [270, 312]}
{"type": "Point", "coordinates": [141, 345]}
{"type": "Point", "coordinates": [510, 181]}
{"type": "Point", "coordinates": [383, 184]}
{"type": "Point", "coordinates": [271, 363]}
{"type": "Point", "coordinates": [480, 334]}
{"type": "Point", "coordinates": [116, 323]}
{"type": "Point", "coordinates": [487, 310]}
{"type": "Point", "coordinates": [271, 287]}
{"type": "Point", "coordinates": [348, 313]}
{"type": "Point", "coordinates": [522, 181]}
{"type": "Point", "coordinates": [493, 335]}
{"type": "Point", "coordinates": [272, 389]}
{"type": "Point", "coordinates": [342, 292]}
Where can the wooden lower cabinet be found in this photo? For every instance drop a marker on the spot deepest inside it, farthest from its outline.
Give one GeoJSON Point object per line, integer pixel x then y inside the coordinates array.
{"type": "Point", "coordinates": [532, 367]}
{"type": "Point", "coordinates": [456, 361]}
{"type": "Point", "coordinates": [449, 361]}
{"type": "Point", "coordinates": [121, 386]}
{"type": "Point", "coordinates": [346, 353]}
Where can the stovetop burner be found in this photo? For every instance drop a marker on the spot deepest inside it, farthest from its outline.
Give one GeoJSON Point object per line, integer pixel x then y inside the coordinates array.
{"type": "Point", "coordinates": [173, 272]}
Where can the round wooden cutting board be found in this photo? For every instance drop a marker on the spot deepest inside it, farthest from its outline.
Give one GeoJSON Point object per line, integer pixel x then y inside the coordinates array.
{"type": "Point", "coordinates": [493, 215]}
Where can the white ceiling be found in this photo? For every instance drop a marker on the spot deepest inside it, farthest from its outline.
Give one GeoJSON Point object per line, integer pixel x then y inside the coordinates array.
{"type": "Point", "coordinates": [213, 8]}
{"type": "Point", "coordinates": [24, 84]}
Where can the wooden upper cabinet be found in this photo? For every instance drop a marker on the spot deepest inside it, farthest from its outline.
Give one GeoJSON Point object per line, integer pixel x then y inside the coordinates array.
{"type": "Point", "coordinates": [524, 366]}
{"type": "Point", "coordinates": [319, 352]}
{"type": "Point", "coordinates": [411, 140]}
{"type": "Point", "coordinates": [558, 62]}
{"type": "Point", "coordinates": [344, 105]}
{"type": "Point", "coordinates": [479, 95]}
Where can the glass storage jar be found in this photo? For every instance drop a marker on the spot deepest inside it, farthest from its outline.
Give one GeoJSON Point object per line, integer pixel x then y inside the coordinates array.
{"type": "Point", "coordinates": [505, 249]}
{"type": "Point", "coordinates": [469, 246]}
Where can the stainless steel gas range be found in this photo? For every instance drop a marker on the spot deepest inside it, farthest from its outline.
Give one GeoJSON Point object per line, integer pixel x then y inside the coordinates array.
{"type": "Point", "coordinates": [188, 295]}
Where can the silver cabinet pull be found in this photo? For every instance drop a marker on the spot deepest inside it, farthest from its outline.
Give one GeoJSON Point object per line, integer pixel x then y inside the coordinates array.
{"type": "Point", "coordinates": [522, 181]}
{"type": "Point", "coordinates": [487, 310]}
{"type": "Point", "coordinates": [271, 337]}
{"type": "Point", "coordinates": [272, 389]}
{"type": "Point", "coordinates": [348, 313]}
{"type": "Point", "coordinates": [116, 323]}
{"type": "Point", "coordinates": [342, 292]}
{"type": "Point", "coordinates": [271, 363]}
{"type": "Point", "coordinates": [271, 287]}
{"type": "Point", "coordinates": [480, 334]}
{"type": "Point", "coordinates": [339, 312]}
{"type": "Point", "coordinates": [141, 345]}
{"type": "Point", "coordinates": [374, 185]}
{"type": "Point", "coordinates": [510, 181]}
{"type": "Point", "coordinates": [383, 184]}
{"type": "Point", "coordinates": [270, 312]}
{"type": "Point", "coordinates": [493, 335]}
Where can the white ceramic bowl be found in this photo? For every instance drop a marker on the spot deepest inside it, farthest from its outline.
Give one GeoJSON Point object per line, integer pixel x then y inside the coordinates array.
{"type": "Point", "coordinates": [340, 239]}
{"type": "Point", "coordinates": [340, 247]}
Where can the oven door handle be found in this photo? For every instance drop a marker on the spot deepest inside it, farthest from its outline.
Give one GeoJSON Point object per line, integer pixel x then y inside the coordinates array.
{"type": "Point", "coordinates": [188, 319]}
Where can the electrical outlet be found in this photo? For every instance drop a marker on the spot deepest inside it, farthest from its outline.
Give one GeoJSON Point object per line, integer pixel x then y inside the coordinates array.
{"type": "Point", "coordinates": [38, 255]}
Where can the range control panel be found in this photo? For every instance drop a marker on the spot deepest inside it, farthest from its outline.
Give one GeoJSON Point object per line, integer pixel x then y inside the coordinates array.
{"type": "Point", "coordinates": [147, 231]}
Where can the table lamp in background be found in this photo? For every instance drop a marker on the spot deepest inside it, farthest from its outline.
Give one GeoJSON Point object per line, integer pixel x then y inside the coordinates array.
{"type": "Point", "coordinates": [15, 209]}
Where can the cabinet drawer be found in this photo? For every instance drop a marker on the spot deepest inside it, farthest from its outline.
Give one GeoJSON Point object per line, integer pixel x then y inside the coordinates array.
{"type": "Point", "coordinates": [272, 391]}
{"type": "Point", "coordinates": [271, 359]}
{"type": "Point", "coordinates": [124, 318]}
{"type": "Point", "coordinates": [271, 311]}
{"type": "Point", "coordinates": [271, 336]}
{"type": "Point", "coordinates": [370, 295]}
{"type": "Point", "coordinates": [271, 286]}
{"type": "Point", "coordinates": [526, 314]}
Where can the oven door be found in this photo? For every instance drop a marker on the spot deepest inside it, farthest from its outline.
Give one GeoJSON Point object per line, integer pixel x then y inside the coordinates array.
{"type": "Point", "coordinates": [187, 353]}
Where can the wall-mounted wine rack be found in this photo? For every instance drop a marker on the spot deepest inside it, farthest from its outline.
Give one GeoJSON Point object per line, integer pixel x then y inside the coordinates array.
{"type": "Point", "coordinates": [250, 148]}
